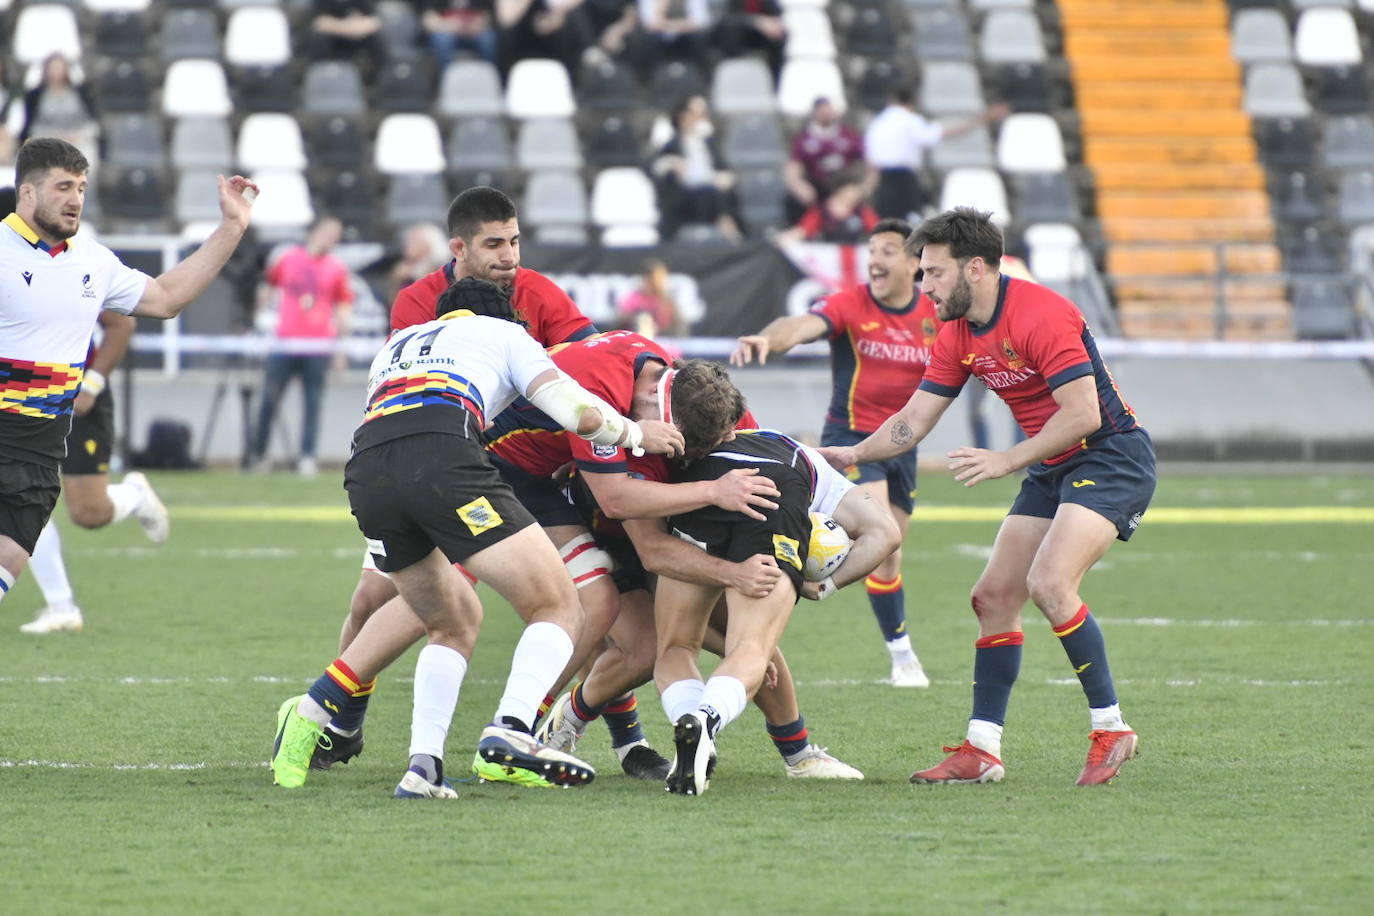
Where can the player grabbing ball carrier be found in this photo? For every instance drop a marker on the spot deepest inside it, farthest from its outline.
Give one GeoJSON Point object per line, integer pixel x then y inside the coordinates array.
{"type": "Point", "coordinates": [425, 497]}
{"type": "Point", "coordinates": [1090, 476]}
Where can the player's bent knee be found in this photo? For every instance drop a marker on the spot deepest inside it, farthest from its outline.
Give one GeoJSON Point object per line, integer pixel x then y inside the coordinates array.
{"type": "Point", "coordinates": [90, 516]}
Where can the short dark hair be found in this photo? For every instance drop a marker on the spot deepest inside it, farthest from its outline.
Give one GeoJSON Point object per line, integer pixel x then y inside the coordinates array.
{"type": "Point", "coordinates": [476, 206]}
{"type": "Point", "coordinates": [706, 405]}
{"type": "Point", "coordinates": [969, 233]}
{"type": "Point", "coordinates": [39, 154]}
{"type": "Point", "coordinates": [902, 95]}
{"type": "Point", "coordinates": [481, 297]}
{"type": "Point", "coordinates": [897, 226]}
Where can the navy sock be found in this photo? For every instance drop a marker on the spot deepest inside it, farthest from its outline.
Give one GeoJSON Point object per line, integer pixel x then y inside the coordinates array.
{"type": "Point", "coordinates": [622, 718]}
{"type": "Point", "coordinates": [350, 719]}
{"type": "Point", "coordinates": [335, 687]}
{"type": "Point", "coordinates": [789, 739]}
{"type": "Point", "coordinates": [888, 600]}
{"type": "Point", "coordinates": [1082, 639]}
{"type": "Point", "coordinates": [996, 662]}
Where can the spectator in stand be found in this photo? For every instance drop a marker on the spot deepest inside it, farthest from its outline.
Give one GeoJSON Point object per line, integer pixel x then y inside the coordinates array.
{"type": "Point", "coordinates": [823, 149]}
{"type": "Point", "coordinates": [314, 303]}
{"type": "Point", "coordinates": [559, 29]}
{"type": "Point", "coordinates": [895, 144]}
{"type": "Point", "coordinates": [347, 30]}
{"type": "Point", "coordinates": [424, 249]}
{"type": "Point", "coordinates": [649, 309]}
{"type": "Point", "coordinates": [694, 183]}
{"type": "Point", "coordinates": [454, 25]}
{"type": "Point", "coordinates": [753, 25]}
{"type": "Point", "coordinates": [844, 217]}
{"type": "Point", "coordinates": [11, 118]}
{"type": "Point", "coordinates": [58, 107]}
{"type": "Point", "coordinates": [674, 28]}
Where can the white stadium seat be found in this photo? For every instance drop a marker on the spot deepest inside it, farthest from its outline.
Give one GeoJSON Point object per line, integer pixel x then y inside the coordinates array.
{"type": "Point", "coordinates": [804, 80]}
{"type": "Point", "coordinates": [1011, 36]}
{"type": "Point", "coordinates": [42, 29]}
{"type": "Point", "coordinates": [115, 6]}
{"type": "Point", "coordinates": [409, 144]}
{"type": "Point", "coordinates": [742, 85]}
{"type": "Point", "coordinates": [1030, 143]}
{"type": "Point", "coordinates": [257, 36]}
{"type": "Point", "coordinates": [284, 204]}
{"type": "Point", "coordinates": [978, 188]}
{"type": "Point", "coordinates": [539, 88]}
{"type": "Point", "coordinates": [1326, 37]}
{"type": "Point", "coordinates": [623, 199]}
{"type": "Point", "coordinates": [809, 34]}
{"type": "Point", "coordinates": [1260, 35]}
{"type": "Point", "coordinates": [195, 88]}
{"type": "Point", "coordinates": [270, 142]}
{"type": "Point", "coordinates": [1055, 252]}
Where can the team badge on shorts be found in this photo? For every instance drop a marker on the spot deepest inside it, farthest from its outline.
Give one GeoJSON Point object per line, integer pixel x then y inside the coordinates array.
{"type": "Point", "coordinates": [479, 516]}
{"type": "Point", "coordinates": [785, 549]}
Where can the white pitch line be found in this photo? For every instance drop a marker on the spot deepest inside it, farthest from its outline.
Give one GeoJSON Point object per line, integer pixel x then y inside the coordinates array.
{"type": "Point", "coordinates": [72, 765]}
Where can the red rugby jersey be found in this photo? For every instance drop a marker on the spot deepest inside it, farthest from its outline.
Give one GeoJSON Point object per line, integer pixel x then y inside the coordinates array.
{"type": "Point", "coordinates": [552, 316]}
{"type": "Point", "coordinates": [1036, 341]}
{"type": "Point", "coordinates": [878, 355]}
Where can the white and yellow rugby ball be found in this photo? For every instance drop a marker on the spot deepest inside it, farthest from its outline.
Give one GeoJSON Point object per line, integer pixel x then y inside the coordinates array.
{"type": "Point", "coordinates": [829, 546]}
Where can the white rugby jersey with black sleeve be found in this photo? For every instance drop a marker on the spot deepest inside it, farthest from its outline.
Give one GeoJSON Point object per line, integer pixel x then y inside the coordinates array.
{"type": "Point", "coordinates": [447, 376]}
{"type": "Point", "coordinates": [50, 300]}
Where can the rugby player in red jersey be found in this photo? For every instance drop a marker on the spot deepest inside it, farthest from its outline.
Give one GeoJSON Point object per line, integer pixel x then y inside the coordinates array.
{"type": "Point", "coordinates": [880, 337]}
{"type": "Point", "coordinates": [1090, 473]}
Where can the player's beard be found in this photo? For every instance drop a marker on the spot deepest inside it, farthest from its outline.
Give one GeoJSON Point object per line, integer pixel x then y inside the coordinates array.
{"type": "Point", "coordinates": [958, 302]}
{"type": "Point", "coordinates": [483, 272]}
{"type": "Point", "coordinates": [47, 219]}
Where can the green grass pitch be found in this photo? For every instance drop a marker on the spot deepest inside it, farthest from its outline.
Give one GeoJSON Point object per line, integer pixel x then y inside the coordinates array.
{"type": "Point", "coordinates": [132, 756]}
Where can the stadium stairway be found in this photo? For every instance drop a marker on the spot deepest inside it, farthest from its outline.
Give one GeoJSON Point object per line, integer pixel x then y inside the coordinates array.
{"type": "Point", "coordinates": [1180, 190]}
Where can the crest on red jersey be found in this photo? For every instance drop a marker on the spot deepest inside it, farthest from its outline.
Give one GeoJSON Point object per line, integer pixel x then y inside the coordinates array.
{"type": "Point", "coordinates": [1013, 360]}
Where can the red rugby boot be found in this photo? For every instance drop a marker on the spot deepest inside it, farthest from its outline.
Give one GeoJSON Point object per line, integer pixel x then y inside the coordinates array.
{"type": "Point", "coordinates": [965, 764]}
{"type": "Point", "coordinates": [1108, 751]}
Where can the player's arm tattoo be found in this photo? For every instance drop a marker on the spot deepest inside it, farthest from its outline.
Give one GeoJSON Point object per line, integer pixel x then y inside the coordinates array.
{"type": "Point", "coordinates": [901, 433]}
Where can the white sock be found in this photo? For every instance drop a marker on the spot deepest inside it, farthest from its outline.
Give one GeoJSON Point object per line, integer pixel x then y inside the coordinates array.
{"type": "Point", "coordinates": [1108, 719]}
{"type": "Point", "coordinates": [307, 708]}
{"type": "Point", "coordinates": [439, 673]}
{"type": "Point", "coordinates": [126, 498]}
{"type": "Point", "coordinates": [49, 571]}
{"type": "Point", "coordinates": [726, 697]}
{"type": "Point", "coordinates": [540, 656]}
{"type": "Point", "coordinates": [682, 697]}
{"type": "Point", "coordinates": [6, 582]}
{"type": "Point", "coordinates": [900, 650]}
{"type": "Point", "coordinates": [986, 736]}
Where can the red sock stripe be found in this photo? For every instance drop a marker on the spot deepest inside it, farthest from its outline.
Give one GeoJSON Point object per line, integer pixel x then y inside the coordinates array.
{"type": "Point", "coordinates": [799, 735]}
{"type": "Point", "coordinates": [545, 706]}
{"type": "Point", "coordinates": [879, 587]}
{"type": "Point", "coordinates": [1064, 629]}
{"type": "Point", "coordinates": [629, 704]}
{"type": "Point", "coordinates": [366, 689]}
{"type": "Point", "coordinates": [343, 675]}
{"type": "Point", "coordinates": [1015, 638]}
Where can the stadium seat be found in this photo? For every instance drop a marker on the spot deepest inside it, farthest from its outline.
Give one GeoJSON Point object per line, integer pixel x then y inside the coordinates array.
{"type": "Point", "coordinates": [1286, 142]}
{"type": "Point", "coordinates": [942, 33]}
{"type": "Point", "coordinates": [1299, 199]}
{"type": "Point", "coordinates": [970, 149]}
{"type": "Point", "coordinates": [190, 33]}
{"type": "Point", "coordinates": [400, 29]}
{"type": "Point", "coordinates": [1355, 198]}
{"type": "Point", "coordinates": [1055, 253]}
{"type": "Point", "coordinates": [614, 141]}
{"type": "Point", "coordinates": [1307, 4]}
{"type": "Point", "coordinates": [607, 86]}
{"type": "Point", "coordinates": [984, 5]}
{"type": "Point", "coordinates": [41, 29]}
{"type": "Point", "coordinates": [1311, 251]}
{"type": "Point", "coordinates": [1348, 142]}
{"type": "Point", "coordinates": [1011, 36]}
{"type": "Point", "coordinates": [123, 87]}
{"type": "Point", "coordinates": [676, 79]}
{"type": "Point", "coordinates": [283, 210]}
{"type": "Point", "coordinates": [337, 142]}
{"type": "Point", "coordinates": [950, 87]}
{"type": "Point", "coordinates": [1341, 90]}
{"type": "Point", "coordinates": [808, 33]}
{"type": "Point", "coordinates": [195, 87]}
{"type": "Point", "coordinates": [875, 81]}
{"type": "Point", "coordinates": [804, 81]}
{"type": "Point", "coordinates": [408, 144]}
{"type": "Point", "coordinates": [872, 33]}
{"type": "Point", "coordinates": [980, 188]}
{"type": "Point", "coordinates": [479, 143]}
{"type": "Point", "coordinates": [547, 143]}
{"type": "Point", "coordinates": [270, 142]}
{"type": "Point", "coordinates": [623, 199]}
{"type": "Point", "coordinates": [122, 33]}
{"type": "Point", "coordinates": [352, 197]}
{"type": "Point", "coordinates": [1030, 143]}
{"type": "Point", "coordinates": [1326, 37]}
{"type": "Point", "coordinates": [539, 88]}
{"type": "Point", "coordinates": [754, 140]}
{"type": "Point", "coordinates": [761, 194]}
{"type": "Point", "coordinates": [133, 195]}
{"type": "Point", "coordinates": [1275, 91]}
{"type": "Point", "coordinates": [1322, 309]}
{"type": "Point", "coordinates": [406, 85]}
{"type": "Point", "coordinates": [197, 197]}
{"type": "Point", "coordinates": [1025, 87]}
{"type": "Point", "coordinates": [742, 85]}
{"type": "Point", "coordinates": [555, 198]}
{"type": "Point", "coordinates": [257, 36]}
{"type": "Point", "coordinates": [265, 88]}
{"type": "Point", "coordinates": [333, 87]}
{"type": "Point", "coordinates": [1045, 197]}
{"type": "Point", "coordinates": [202, 144]}
{"type": "Point", "coordinates": [1260, 35]}
{"type": "Point", "coordinates": [134, 140]}
{"type": "Point", "coordinates": [415, 198]}
{"type": "Point", "coordinates": [100, 7]}
{"type": "Point", "coordinates": [470, 87]}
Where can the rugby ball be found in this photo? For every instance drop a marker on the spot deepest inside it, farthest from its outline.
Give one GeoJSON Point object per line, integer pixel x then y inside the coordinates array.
{"type": "Point", "coordinates": [829, 546]}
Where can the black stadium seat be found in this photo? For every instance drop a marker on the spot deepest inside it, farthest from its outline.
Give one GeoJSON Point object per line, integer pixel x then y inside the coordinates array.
{"type": "Point", "coordinates": [123, 87]}
{"type": "Point", "coordinates": [133, 195]}
{"type": "Point", "coordinates": [121, 34]}
{"type": "Point", "coordinates": [1299, 198]}
{"type": "Point", "coordinates": [337, 142]}
{"type": "Point", "coordinates": [406, 85]}
{"type": "Point", "coordinates": [264, 89]}
{"type": "Point", "coordinates": [607, 86]}
{"type": "Point", "coordinates": [1341, 90]}
{"type": "Point", "coordinates": [1286, 142]}
{"type": "Point", "coordinates": [1025, 87]}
